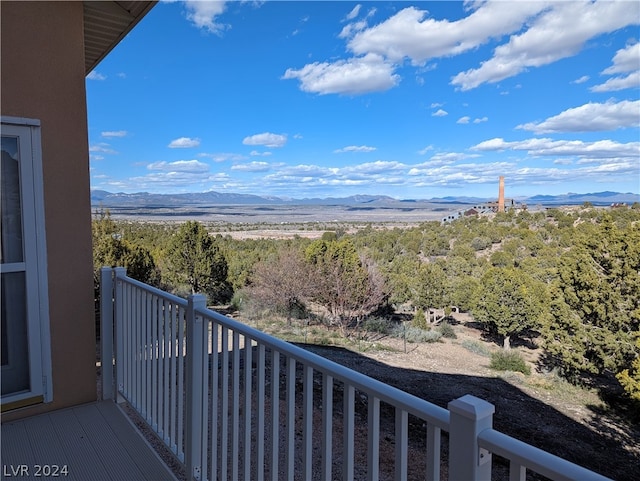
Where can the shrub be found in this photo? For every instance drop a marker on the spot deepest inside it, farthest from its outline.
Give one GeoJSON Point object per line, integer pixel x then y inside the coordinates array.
{"type": "Point", "coordinates": [476, 347]}
{"type": "Point", "coordinates": [509, 360]}
{"type": "Point", "coordinates": [447, 331]}
{"type": "Point", "coordinates": [414, 334]}
{"type": "Point", "coordinates": [420, 321]}
{"type": "Point", "coordinates": [239, 300]}
{"type": "Point", "coordinates": [377, 324]}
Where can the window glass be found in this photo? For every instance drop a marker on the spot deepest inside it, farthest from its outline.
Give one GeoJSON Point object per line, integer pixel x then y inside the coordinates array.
{"type": "Point", "coordinates": [11, 248]}
{"type": "Point", "coordinates": [15, 352]}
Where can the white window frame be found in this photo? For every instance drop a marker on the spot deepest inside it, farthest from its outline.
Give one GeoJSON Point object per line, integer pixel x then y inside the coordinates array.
{"type": "Point", "coordinates": [35, 260]}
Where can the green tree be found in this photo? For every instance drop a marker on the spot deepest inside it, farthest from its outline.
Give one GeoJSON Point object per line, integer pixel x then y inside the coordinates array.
{"type": "Point", "coordinates": [630, 378]}
{"type": "Point", "coordinates": [110, 249]}
{"type": "Point", "coordinates": [194, 259]}
{"type": "Point", "coordinates": [429, 288]}
{"type": "Point", "coordinates": [596, 312]}
{"type": "Point", "coordinates": [510, 302]}
{"type": "Point", "coordinates": [347, 285]}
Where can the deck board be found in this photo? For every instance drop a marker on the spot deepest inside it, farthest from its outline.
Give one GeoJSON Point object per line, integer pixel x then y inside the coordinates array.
{"type": "Point", "coordinates": [96, 441]}
{"type": "Point", "coordinates": [45, 444]}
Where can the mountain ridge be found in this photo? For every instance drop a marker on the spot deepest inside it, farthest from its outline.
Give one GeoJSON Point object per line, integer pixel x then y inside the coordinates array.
{"type": "Point", "coordinates": [147, 199]}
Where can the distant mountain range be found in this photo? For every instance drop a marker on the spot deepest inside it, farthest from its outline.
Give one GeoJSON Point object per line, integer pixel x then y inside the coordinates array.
{"type": "Point", "coordinates": [145, 199]}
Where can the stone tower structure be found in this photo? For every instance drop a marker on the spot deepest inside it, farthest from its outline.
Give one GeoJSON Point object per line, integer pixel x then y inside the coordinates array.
{"type": "Point", "coordinates": [501, 195]}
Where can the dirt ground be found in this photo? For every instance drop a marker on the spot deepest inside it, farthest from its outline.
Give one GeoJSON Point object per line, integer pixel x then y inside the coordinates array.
{"type": "Point", "coordinates": [538, 409]}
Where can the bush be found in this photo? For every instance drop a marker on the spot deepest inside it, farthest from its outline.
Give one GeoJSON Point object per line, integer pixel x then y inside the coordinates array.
{"type": "Point", "coordinates": [420, 321]}
{"type": "Point", "coordinates": [476, 347]}
{"type": "Point", "coordinates": [414, 334]}
{"type": "Point", "coordinates": [447, 331]}
{"type": "Point", "coordinates": [377, 324]}
{"type": "Point", "coordinates": [509, 360]}
{"type": "Point", "coordinates": [239, 300]}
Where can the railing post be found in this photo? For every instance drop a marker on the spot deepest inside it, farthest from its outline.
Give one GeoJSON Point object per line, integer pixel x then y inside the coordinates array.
{"type": "Point", "coordinates": [196, 330]}
{"type": "Point", "coordinates": [106, 331]}
{"type": "Point", "coordinates": [117, 306]}
{"type": "Point", "coordinates": [469, 416]}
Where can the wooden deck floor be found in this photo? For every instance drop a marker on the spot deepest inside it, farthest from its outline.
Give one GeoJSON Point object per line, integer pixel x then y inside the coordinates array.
{"type": "Point", "coordinates": [95, 442]}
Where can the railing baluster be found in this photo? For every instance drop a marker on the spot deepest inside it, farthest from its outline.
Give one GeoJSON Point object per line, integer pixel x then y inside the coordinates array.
{"type": "Point", "coordinates": [204, 397]}
{"type": "Point", "coordinates": [224, 438]}
{"type": "Point", "coordinates": [174, 379]}
{"type": "Point", "coordinates": [517, 472]}
{"type": "Point", "coordinates": [215, 392]}
{"type": "Point", "coordinates": [373, 438]}
{"type": "Point", "coordinates": [260, 405]}
{"type": "Point", "coordinates": [147, 359]}
{"type": "Point", "coordinates": [180, 393]}
{"type": "Point", "coordinates": [138, 351]}
{"type": "Point", "coordinates": [348, 434]}
{"type": "Point", "coordinates": [290, 441]}
{"type": "Point", "coordinates": [235, 406]}
{"type": "Point", "coordinates": [433, 452]}
{"type": "Point", "coordinates": [154, 362]}
{"type": "Point", "coordinates": [327, 426]}
{"type": "Point", "coordinates": [307, 419]}
{"type": "Point", "coordinates": [247, 407]}
{"type": "Point", "coordinates": [166, 326]}
{"type": "Point", "coordinates": [402, 436]}
{"type": "Point", "coordinates": [275, 413]}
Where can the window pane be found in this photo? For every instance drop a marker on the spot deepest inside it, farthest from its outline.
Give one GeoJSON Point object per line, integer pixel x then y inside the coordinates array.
{"type": "Point", "coordinates": [10, 207]}
{"type": "Point", "coordinates": [13, 314]}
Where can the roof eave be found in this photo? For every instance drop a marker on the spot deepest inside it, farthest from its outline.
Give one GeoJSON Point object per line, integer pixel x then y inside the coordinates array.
{"type": "Point", "coordinates": [106, 23]}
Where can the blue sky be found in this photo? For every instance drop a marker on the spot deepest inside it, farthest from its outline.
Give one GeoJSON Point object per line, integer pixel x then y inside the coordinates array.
{"type": "Point", "coordinates": [407, 99]}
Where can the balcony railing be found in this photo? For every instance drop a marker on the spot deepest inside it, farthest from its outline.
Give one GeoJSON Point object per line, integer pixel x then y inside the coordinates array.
{"type": "Point", "coordinates": [232, 402]}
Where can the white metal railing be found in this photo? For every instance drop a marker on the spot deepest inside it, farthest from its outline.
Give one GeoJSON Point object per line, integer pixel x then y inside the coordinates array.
{"type": "Point", "coordinates": [235, 403]}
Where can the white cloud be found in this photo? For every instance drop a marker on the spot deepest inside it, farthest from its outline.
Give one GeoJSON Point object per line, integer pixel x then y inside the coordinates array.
{"type": "Point", "coordinates": [193, 166]}
{"type": "Point", "coordinates": [480, 120]}
{"type": "Point", "coordinates": [409, 33]}
{"type": "Point", "coordinates": [267, 139]}
{"type": "Point", "coordinates": [255, 153]}
{"type": "Point", "coordinates": [222, 156]}
{"type": "Point", "coordinates": [463, 120]}
{"type": "Point", "coordinates": [354, 76]}
{"type": "Point", "coordinates": [558, 32]}
{"type": "Point", "coordinates": [428, 148]}
{"type": "Point", "coordinates": [94, 75]}
{"type": "Point", "coordinates": [581, 80]}
{"type": "Point", "coordinates": [203, 15]}
{"type": "Point", "coordinates": [372, 168]}
{"type": "Point", "coordinates": [442, 158]}
{"type": "Point", "coordinates": [591, 117]}
{"type": "Point", "coordinates": [184, 143]}
{"type": "Point", "coordinates": [114, 133]}
{"type": "Point", "coordinates": [601, 150]}
{"type": "Point", "coordinates": [252, 167]}
{"type": "Point", "coordinates": [355, 148]}
{"type": "Point", "coordinates": [625, 60]}
{"type": "Point", "coordinates": [619, 83]}
{"type": "Point", "coordinates": [440, 113]}
{"type": "Point", "coordinates": [354, 13]}
{"type": "Point", "coordinates": [102, 147]}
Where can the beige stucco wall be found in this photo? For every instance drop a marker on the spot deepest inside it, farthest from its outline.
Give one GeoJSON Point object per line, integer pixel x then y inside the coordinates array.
{"type": "Point", "coordinates": [43, 78]}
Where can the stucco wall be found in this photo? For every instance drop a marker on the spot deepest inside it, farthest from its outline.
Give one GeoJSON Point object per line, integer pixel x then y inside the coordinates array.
{"type": "Point", "coordinates": [43, 78]}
